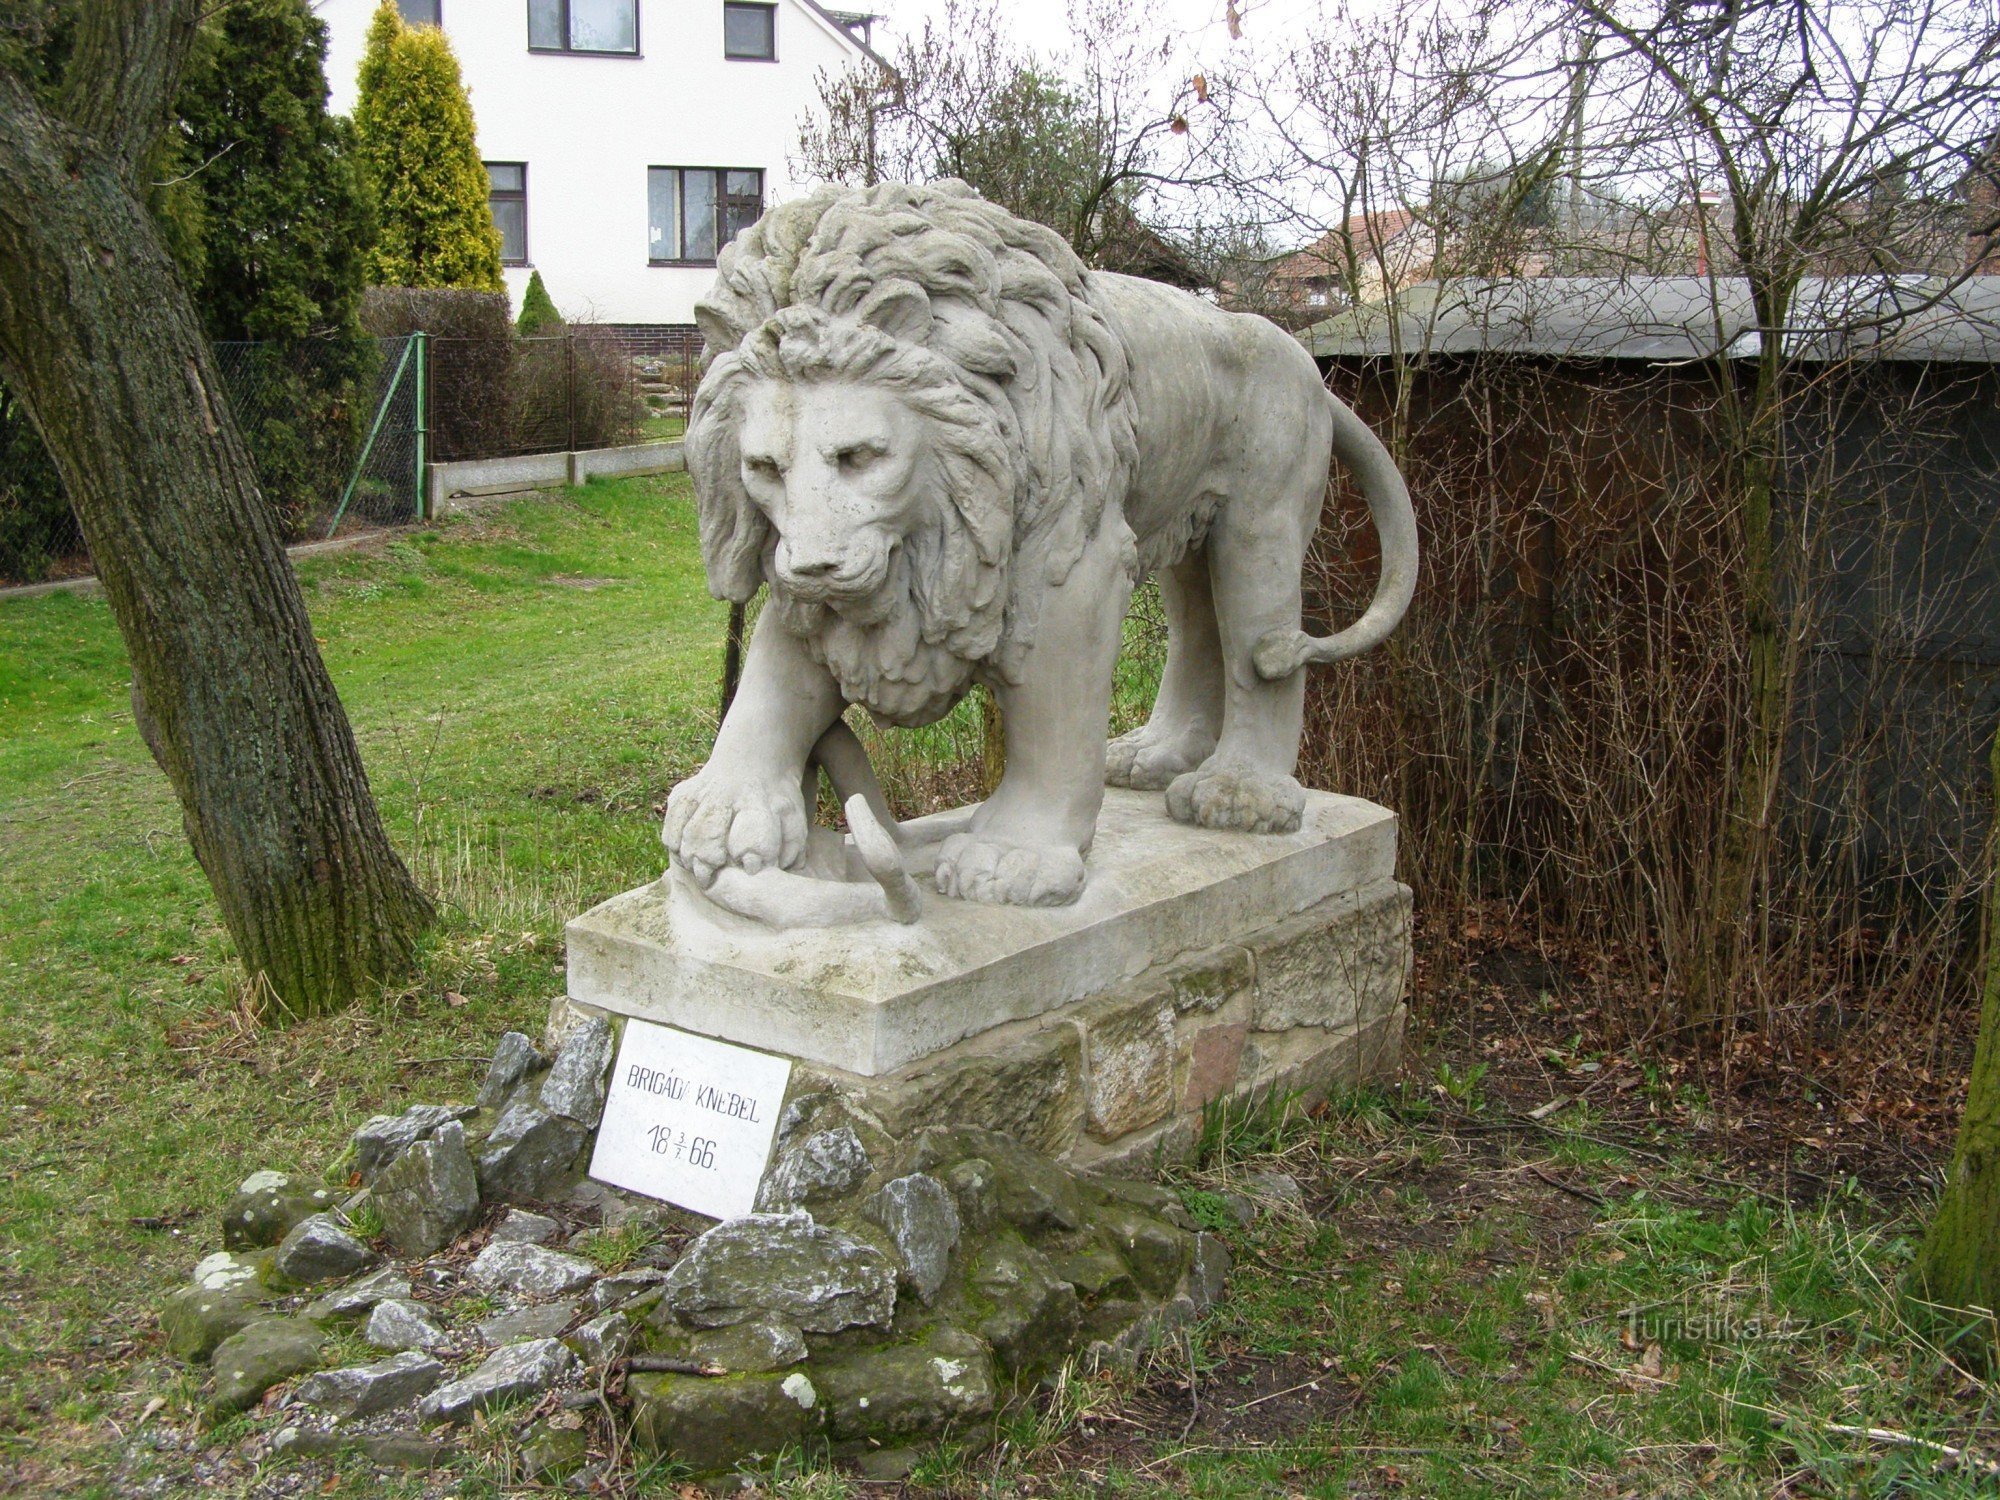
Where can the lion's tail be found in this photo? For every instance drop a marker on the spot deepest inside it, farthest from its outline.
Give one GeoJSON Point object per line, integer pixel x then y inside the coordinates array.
{"type": "Point", "coordinates": [1282, 652]}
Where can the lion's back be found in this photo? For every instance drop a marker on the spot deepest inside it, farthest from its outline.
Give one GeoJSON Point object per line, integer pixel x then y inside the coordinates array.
{"type": "Point", "coordinates": [1224, 404]}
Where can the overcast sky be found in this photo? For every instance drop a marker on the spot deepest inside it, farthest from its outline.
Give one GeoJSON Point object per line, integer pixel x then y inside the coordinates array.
{"type": "Point", "coordinates": [1197, 25]}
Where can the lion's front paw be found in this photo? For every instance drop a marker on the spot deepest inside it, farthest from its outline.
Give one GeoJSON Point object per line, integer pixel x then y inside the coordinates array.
{"type": "Point", "coordinates": [1235, 797]}
{"type": "Point", "coordinates": [976, 868]}
{"type": "Point", "coordinates": [1146, 760]}
{"type": "Point", "coordinates": [723, 817]}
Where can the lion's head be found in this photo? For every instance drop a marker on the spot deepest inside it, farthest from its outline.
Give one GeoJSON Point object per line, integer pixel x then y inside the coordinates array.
{"type": "Point", "coordinates": [911, 419]}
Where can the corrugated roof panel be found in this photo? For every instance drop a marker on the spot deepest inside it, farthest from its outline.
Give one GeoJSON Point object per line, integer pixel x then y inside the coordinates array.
{"type": "Point", "coordinates": [1672, 318]}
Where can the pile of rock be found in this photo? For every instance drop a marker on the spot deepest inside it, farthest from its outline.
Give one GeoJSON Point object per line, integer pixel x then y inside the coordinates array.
{"type": "Point", "coordinates": [887, 1292]}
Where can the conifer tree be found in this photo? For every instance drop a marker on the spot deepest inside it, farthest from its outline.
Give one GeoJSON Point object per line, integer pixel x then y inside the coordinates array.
{"type": "Point", "coordinates": [422, 156]}
{"type": "Point", "coordinates": [538, 310]}
{"type": "Point", "coordinates": [285, 222]}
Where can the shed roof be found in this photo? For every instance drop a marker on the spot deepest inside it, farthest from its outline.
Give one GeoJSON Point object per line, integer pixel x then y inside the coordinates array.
{"type": "Point", "coordinates": [1668, 318]}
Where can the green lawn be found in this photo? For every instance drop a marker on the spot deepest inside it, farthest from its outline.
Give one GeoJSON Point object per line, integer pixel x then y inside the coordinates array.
{"type": "Point", "coordinates": [525, 687]}
{"type": "Point", "coordinates": [1470, 1302]}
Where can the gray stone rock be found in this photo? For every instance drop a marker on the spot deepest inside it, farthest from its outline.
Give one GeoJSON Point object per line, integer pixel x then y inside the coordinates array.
{"type": "Point", "coordinates": [749, 1348]}
{"type": "Point", "coordinates": [531, 1154]}
{"type": "Point", "coordinates": [195, 1319]}
{"type": "Point", "coordinates": [523, 1228]}
{"type": "Point", "coordinates": [225, 1269]}
{"type": "Point", "coordinates": [514, 1058]}
{"type": "Point", "coordinates": [1273, 1187]}
{"type": "Point", "coordinates": [615, 1209]}
{"type": "Point", "coordinates": [358, 1297]}
{"type": "Point", "coordinates": [530, 1270]}
{"type": "Point", "coordinates": [603, 1339]}
{"type": "Point", "coordinates": [814, 1169]}
{"type": "Point", "coordinates": [545, 1320]}
{"type": "Point", "coordinates": [319, 1248]}
{"type": "Point", "coordinates": [429, 1195]}
{"type": "Point", "coordinates": [404, 1450]}
{"type": "Point", "coordinates": [265, 1207]}
{"type": "Point", "coordinates": [625, 1287]}
{"type": "Point", "coordinates": [711, 1426]}
{"type": "Point", "coordinates": [383, 1138]}
{"type": "Point", "coordinates": [575, 1086]}
{"type": "Point", "coordinates": [922, 1218]}
{"type": "Point", "coordinates": [397, 1323]}
{"type": "Point", "coordinates": [252, 1360]}
{"type": "Point", "coordinates": [549, 1452]}
{"type": "Point", "coordinates": [1157, 1252]}
{"type": "Point", "coordinates": [1033, 1314]}
{"type": "Point", "coordinates": [905, 1390]}
{"type": "Point", "coordinates": [1208, 1277]}
{"type": "Point", "coordinates": [363, 1390]}
{"type": "Point", "coordinates": [817, 1277]}
{"type": "Point", "coordinates": [1147, 1197]}
{"type": "Point", "coordinates": [1024, 1187]}
{"type": "Point", "coordinates": [508, 1374]}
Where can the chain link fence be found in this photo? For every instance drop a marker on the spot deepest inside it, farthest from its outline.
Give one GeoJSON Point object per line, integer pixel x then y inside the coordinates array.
{"type": "Point", "coordinates": [334, 427]}
{"type": "Point", "coordinates": [586, 387]}
{"type": "Point", "coordinates": [340, 430]}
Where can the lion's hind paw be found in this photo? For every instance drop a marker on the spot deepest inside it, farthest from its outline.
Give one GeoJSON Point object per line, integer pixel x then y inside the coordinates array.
{"type": "Point", "coordinates": [1236, 798]}
{"type": "Point", "coordinates": [1146, 761]}
{"type": "Point", "coordinates": [973, 868]}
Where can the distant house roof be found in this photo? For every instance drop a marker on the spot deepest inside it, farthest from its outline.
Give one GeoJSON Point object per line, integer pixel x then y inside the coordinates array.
{"type": "Point", "coordinates": [1330, 251]}
{"type": "Point", "coordinates": [1667, 318]}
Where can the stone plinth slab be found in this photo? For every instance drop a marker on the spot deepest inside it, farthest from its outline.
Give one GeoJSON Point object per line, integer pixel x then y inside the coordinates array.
{"type": "Point", "coordinates": [875, 998]}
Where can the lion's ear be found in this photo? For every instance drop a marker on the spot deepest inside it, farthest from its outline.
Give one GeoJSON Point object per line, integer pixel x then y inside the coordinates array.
{"type": "Point", "coordinates": [901, 309]}
{"type": "Point", "coordinates": [718, 329]}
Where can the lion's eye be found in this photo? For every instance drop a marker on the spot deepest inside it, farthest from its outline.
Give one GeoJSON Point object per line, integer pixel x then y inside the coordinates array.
{"type": "Point", "coordinates": [763, 468]}
{"type": "Point", "coordinates": [854, 460]}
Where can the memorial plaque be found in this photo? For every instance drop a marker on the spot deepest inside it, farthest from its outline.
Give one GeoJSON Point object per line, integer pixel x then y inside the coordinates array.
{"type": "Point", "coordinates": [689, 1119]}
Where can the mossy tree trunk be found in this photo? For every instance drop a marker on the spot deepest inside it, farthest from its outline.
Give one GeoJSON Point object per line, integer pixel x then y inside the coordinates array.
{"type": "Point", "coordinates": [101, 342]}
{"type": "Point", "coordinates": [1959, 1265]}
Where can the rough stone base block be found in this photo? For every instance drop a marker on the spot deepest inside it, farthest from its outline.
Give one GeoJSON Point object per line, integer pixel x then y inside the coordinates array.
{"type": "Point", "coordinates": [1199, 967]}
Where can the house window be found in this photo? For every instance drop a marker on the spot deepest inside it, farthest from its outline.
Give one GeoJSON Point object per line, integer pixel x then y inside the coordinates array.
{"type": "Point", "coordinates": [692, 212]}
{"type": "Point", "coordinates": [420, 12]}
{"type": "Point", "coordinates": [750, 32]}
{"type": "Point", "coordinates": [604, 26]}
{"type": "Point", "coordinates": [508, 197]}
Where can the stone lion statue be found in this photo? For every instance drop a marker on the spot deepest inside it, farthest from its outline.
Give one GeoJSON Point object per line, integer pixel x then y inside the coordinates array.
{"type": "Point", "coordinates": [951, 452]}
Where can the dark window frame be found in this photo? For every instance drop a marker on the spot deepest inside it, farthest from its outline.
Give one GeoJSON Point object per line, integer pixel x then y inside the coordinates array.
{"type": "Point", "coordinates": [510, 195]}
{"type": "Point", "coordinates": [722, 199]}
{"type": "Point", "coordinates": [637, 48]}
{"type": "Point", "coordinates": [771, 14]}
{"type": "Point", "coordinates": [437, 5]}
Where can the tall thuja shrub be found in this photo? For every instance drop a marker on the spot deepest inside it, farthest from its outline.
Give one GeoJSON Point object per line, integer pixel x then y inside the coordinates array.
{"type": "Point", "coordinates": [422, 155]}
{"type": "Point", "coordinates": [286, 224]}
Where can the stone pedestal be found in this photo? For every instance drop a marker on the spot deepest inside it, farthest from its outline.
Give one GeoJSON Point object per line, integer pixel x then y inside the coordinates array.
{"type": "Point", "coordinates": [1198, 967]}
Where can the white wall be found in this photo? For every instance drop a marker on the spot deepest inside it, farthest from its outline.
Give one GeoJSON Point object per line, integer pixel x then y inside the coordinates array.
{"type": "Point", "coordinates": [589, 126]}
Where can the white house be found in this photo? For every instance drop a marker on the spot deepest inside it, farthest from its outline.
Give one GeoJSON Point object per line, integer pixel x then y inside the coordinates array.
{"type": "Point", "coordinates": [626, 139]}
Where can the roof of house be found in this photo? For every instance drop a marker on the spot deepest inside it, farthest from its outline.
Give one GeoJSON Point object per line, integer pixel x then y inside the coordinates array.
{"type": "Point", "coordinates": [1329, 251]}
{"type": "Point", "coordinates": [842, 22]}
{"type": "Point", "coordinates": [1668, 318]}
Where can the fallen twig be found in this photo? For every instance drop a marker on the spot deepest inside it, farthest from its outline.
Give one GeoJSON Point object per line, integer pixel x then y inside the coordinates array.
{"type": "Point", "coordinates": [1598, 1364]}
{"type": "Point", "coordinates": [1312, 1384]}
{"type": "Point", "coordinates": [1956, 1456]}
{"type": "Point", "coordinates": [1562, 1187]}
{"type": "Point", "coordinates": [667, 1364]}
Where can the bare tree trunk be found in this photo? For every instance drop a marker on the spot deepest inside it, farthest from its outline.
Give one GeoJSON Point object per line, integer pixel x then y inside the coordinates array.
{"type": "Point", "coordinates": [100, 341]}
{"type": "Point", "coordinates": [1959, 1264]}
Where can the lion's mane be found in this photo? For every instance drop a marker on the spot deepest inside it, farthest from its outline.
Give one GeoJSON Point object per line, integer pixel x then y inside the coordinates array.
{"type": "Point", "coordinates": [984, 323]}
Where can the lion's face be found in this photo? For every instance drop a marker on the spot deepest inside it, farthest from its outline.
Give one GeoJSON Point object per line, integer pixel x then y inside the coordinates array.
{"type": "Point", "coordinates": [842, 472]}
{"type": "Point", "coordinates": [851, 486]}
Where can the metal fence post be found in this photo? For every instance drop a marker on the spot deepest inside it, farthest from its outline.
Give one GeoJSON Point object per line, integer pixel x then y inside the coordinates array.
{"type": "Point", "coordinates": [423, 422]}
